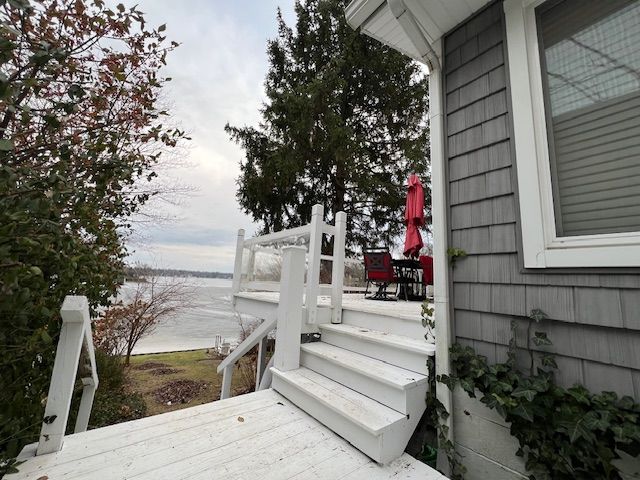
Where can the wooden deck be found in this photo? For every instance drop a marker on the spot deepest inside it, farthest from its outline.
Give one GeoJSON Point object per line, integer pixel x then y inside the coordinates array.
{"type": "Point", "coordinates": [357, 302]}
{"type": "Point", "coordinates": [258, 435]}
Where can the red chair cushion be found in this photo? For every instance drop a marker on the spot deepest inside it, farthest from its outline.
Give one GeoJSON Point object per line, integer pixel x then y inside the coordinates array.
{"type": "Point", "coordinates": [427, 269]}
{"type": "Point", "coordinates": [378, 266]}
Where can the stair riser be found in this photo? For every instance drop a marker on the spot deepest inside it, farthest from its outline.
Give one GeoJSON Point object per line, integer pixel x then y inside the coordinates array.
{"type": "Point", "coordinates": [386, 394]}
{"type": "Point", "coordinates": [363, 440]}
{"type": "Point", "coordinates": [416, 362]}
{"type": "Point", "coordinates": [385, 323]}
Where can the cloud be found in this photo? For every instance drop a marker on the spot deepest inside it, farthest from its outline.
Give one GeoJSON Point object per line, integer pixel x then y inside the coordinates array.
{"type": "Point", "coordinates": [217, 77]}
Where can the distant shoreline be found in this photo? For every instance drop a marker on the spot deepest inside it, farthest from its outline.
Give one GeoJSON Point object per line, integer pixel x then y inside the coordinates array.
{"type": "Point", "coordinates": [133, 274]}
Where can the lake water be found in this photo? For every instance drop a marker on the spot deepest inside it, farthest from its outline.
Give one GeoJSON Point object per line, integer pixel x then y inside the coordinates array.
{"type": "Point", "coordinates": [196, 327]}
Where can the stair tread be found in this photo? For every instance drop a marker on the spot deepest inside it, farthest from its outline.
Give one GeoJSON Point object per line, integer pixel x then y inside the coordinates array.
{"type": "Point", "coordinates": [392, 375]}
{"type": "Point", "coordinates": [375, 336]}
{"type": "Point", "coordinates": [360, 409]}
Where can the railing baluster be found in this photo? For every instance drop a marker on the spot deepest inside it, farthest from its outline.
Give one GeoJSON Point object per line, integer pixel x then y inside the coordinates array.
{"type": "Point", "coordinates": [237, 265]}
{"type": "Point", "coordinates": [90, 384]}
{"type": "Point", "coordinates": [267, 377]}
{"type": "Point", "coordinates": [261, 360]}
{"type": "Point", "coordinates": [337, 270]}
{"type": "Point", "coordinates": [227, 375]}
{"type": "Point", "coordinates": [86, 402]}
{"type": "Point", "coordinates": [313, 271]}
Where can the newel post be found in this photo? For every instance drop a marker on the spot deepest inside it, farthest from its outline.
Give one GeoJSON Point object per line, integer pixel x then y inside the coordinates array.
{"type": "Point", "coordinates": [290, 311]}
{"type": "Point", "coordinates": [337, 271]}
{"type": "Point", "coordinates": [313, 271]}
{"type": "Point", "coordinates": [237, 265]}
{"type": "Point", "coordinates": [75, 319]}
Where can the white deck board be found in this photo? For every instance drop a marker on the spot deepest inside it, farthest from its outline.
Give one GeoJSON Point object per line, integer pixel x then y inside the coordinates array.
{"type": "Point", "coordinates": [364, 411]}
{"type": "Point", "coordinates": [357, 302]}
{"type": "Point", "coordinates": [376, 336]}
{"type": "Point", "coordinates": [259, 435]}
{"type": "Point", "coordinates": [393, 376]}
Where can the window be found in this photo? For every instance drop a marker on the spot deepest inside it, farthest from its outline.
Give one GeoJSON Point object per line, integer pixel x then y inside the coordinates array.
{"type": "Point", "coordinates": [575, 82]}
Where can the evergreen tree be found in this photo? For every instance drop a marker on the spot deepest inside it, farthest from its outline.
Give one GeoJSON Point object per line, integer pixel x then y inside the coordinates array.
{"type": "Point", "coordinates": [344, 125]}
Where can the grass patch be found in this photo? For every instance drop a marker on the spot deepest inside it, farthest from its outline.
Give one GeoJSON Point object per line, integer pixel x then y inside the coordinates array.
{"type": "Point", "coordinates": [195, 366]}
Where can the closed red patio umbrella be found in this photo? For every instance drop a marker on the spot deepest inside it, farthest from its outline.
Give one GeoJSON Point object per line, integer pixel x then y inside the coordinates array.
{"type": "Point", "coordinates": [414, 217]}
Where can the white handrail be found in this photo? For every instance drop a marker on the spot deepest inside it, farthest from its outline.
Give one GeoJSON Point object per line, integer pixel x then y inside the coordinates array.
{"type": "Point", "coordinates": [314, 231]}
{"type": "Point", "coordinates": [226, 366]}
{"type": "Point", "coordinates": [250, 342]}
{"type": "Point", "coordinates": [302, 231]}
{"type": "Point", "coordinates": [288, 320]}
{"type": "Point", "coordinates": [76, 331]}
{"type": "Point", "coordinates": [328, 229]}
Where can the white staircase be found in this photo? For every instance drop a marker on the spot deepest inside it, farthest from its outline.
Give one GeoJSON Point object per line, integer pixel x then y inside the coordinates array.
{"type": "Point", "coordinates": [367, 377]}
{"type": "Point", "coordinates": [367, 386]}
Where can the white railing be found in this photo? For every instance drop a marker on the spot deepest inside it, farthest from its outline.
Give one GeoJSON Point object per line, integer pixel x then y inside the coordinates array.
{"type": "Point", "coordinates": [74, 335]}
{"type": "Point", "coordinates": [313, 231]}
{"type": "Point", "coordinates": [288, 324]}
{"type": "Point", "coordinates": [298, 301]}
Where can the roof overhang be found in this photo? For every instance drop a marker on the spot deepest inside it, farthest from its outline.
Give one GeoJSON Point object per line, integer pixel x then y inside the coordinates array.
{"type": "Point", "coordinates": [412, 27]}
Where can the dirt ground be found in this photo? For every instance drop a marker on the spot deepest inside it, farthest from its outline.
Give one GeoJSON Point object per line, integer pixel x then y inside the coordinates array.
{"type": "Point", "coordinates": [176, 380]}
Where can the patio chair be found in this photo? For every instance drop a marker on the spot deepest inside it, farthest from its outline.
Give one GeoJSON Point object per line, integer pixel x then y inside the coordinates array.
{"type": "Point", "coordinates": [378, 269]}
{"type": "Point", "coordinates": [426, 262]}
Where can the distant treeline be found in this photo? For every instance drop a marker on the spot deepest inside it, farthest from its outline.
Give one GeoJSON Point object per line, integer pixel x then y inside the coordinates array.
{"type": "Point", "coordinates": [140, 272]}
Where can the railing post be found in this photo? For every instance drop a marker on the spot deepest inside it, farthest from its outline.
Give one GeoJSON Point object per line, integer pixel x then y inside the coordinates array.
{"type": "Point", "coordinates": [313, 272]}
{"type": "Point", "coordinates": [237, 265]}
{"type": "Point", "coordinates": [289, 314]}
{"type": "Point", "coordinates": [75, 319]}
{"type": "Point", "coordinates": [337, 271]}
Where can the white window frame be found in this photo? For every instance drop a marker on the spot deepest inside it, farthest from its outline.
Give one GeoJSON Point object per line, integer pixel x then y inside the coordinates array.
{"type": "Point", "coordinates": [542, 247]}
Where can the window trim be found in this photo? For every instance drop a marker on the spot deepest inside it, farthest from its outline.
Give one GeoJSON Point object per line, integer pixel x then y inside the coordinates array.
{"type": "Point", "coordinates": [542, 247]}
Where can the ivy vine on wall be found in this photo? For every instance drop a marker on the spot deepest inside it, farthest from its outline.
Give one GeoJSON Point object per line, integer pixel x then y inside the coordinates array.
{"type": "Point", "coordinates": [563, 433]}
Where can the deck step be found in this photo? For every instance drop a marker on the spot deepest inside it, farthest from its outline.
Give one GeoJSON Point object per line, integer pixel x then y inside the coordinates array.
{"type": "Point", "coordinates": [375, 429]}
{"type": "Point", "coordinates": [402, 351]}
{"type": "Point", "coordinates": [396, 322]}
{"type": "Point", "coordinates": [397, 388]}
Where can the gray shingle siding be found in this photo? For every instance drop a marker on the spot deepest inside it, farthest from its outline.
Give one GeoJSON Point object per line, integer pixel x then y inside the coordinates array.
{"type": "Point", "coordinates": [594, 318]}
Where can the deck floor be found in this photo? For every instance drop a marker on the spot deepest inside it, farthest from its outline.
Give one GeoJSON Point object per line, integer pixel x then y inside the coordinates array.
{"type": "Point", "coordinates": [258, 435]}
{"type": "Point", "coordinates": [356, 301]}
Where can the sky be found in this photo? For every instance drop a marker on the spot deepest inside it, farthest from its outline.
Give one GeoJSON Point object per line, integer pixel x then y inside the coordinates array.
{"type": "Point", "coordinates": [217, 77]}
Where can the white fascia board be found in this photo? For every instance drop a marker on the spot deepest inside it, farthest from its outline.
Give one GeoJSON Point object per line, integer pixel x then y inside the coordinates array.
{"type": "Point", "coordinates": [358, 11]}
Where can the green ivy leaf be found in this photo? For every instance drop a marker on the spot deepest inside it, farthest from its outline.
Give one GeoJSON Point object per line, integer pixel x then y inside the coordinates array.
{"type": "Point", "coordinates": [525, 392]}
{"type": "Point", "coordinates": [522, 411]}
{"type": "Point", "coordinates": [575, 429]}
{"type": "Point", "coordinates": [549, 361]}
{"type": "Point", "coordinates": [579, 393]}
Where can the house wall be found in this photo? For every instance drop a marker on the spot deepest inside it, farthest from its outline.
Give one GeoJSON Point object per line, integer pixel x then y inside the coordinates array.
{"type": "Point", "coordinates": [594, 316]}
